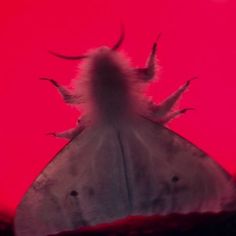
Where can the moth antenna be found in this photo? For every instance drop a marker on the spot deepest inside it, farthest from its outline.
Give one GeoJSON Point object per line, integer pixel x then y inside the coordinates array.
{"type": "Point", "coordinates": [68, 57]}
{"type": "Point", "coordinates": [115, 47]}
{"type": "Point", "coordinates": [121, 39]}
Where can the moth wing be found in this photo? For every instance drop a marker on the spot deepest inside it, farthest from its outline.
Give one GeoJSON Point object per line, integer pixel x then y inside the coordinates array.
{"type": "Point", "coordinates": [168, 174]}
{"type": "Point", "coordinates": [107, 173]}
{"type": "Point", "coordinates": [83, 185]}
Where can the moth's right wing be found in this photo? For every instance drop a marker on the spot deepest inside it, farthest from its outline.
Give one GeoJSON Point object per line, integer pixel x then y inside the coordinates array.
{"type": "Point", "coordinates": [168, 174]}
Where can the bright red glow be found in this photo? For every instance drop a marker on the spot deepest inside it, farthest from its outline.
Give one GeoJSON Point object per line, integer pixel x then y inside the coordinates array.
{"type": "Point", "coordinates": [198, 39]}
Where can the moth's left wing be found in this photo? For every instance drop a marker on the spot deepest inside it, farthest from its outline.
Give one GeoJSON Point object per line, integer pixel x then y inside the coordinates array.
{"type": "Point", "coordinates": [83, 185]}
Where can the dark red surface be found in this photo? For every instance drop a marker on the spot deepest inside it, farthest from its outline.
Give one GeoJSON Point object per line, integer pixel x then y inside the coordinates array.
{"type": "Point", "coordinates": [191, 224]}
{"type": "Point", "coordinates": [198, 39]}
{"type": "Point", "coordinates": [205, 224]}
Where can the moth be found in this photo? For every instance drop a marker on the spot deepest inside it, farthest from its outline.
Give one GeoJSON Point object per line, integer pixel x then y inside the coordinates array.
{"type": "Point", "coordinates": [121, 159]}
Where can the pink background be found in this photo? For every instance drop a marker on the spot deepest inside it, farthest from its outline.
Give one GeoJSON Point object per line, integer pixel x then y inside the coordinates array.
{"type": "Point", "coordinates": [198, 39]}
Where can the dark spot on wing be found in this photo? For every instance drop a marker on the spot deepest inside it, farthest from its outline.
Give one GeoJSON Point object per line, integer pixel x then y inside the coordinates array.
{"type": "Point", "coordinates": [201, 154]}
{"type": "Point", "coordinates": [74, 193]}
{"type": "Point", "coordinates": [198, 153]}
{"type": "Point", "coordinates": [175, 179]}
{"type": "Point", "coordinates": [74, 210]}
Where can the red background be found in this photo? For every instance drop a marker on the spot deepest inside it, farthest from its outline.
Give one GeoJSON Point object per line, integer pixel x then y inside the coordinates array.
{"type": "Point", "coordinates": [198, 39]}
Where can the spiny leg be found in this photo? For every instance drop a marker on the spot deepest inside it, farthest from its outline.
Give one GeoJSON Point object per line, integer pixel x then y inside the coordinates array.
{"type": "Point", "coordinates": [165, 107]}
{"type": "Point", "coordinates": [148, 73]}
{"type": "Point", "coordinates": [65, 93]}
{"type": "Point", "coordinates": [71, 133]}
{"type": "Point", "coordinates": [173, 115]}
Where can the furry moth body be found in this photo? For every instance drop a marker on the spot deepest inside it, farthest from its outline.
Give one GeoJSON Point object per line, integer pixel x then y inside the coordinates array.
{"type": "Point", "coordinates": [121, 160]}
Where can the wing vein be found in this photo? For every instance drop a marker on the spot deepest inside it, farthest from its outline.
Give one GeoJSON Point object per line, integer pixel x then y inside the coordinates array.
{"type": "Point", "coordinates": [125, 171]}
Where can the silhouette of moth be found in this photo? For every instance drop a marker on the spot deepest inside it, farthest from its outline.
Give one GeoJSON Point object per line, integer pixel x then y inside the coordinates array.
{"type": "Point", "coordinates": [121, 160]}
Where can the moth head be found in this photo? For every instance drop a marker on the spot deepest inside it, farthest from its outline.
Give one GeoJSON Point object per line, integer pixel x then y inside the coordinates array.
{"type": "Point", "coordinates": [104, 61]}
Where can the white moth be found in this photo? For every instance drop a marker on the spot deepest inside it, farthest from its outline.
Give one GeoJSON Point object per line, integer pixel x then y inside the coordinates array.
{"type": "Point", "coordinates": [121, 160]}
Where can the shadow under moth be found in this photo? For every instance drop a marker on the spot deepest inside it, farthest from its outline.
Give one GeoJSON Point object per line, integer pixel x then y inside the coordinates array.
{"type": "Point", "coordinates": [121, 160]}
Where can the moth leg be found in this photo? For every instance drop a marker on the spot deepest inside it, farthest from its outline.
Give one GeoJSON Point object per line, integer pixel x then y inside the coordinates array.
{"type": "Point", "coordinates": [69, 134]}
{"type": "Point", "coordinates": [65, 93]}
{"type": "Point", "coordinates": [148, 73]}
{"type": "Point", "coordinates": [166, 106]}
{"type": "Point", "coordinates": [173, 115]}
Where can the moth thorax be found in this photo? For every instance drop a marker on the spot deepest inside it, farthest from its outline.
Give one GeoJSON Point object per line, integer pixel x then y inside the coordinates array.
{"type": "Point", "coordinates": [110, 89]}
